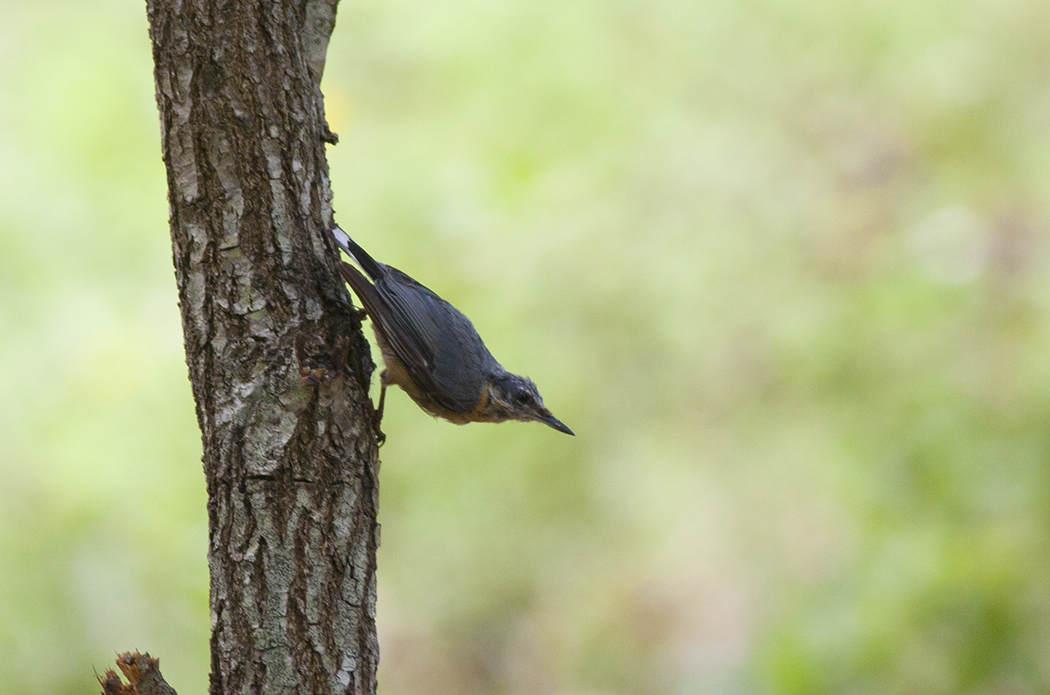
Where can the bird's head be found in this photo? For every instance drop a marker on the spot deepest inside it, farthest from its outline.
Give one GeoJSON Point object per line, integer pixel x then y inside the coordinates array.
{"type": "Point", "coordinates": [513, 397]}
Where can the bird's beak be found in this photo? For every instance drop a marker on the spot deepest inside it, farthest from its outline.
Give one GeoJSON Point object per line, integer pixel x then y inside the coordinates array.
{"type": "Point", "coordinates": [551, 421]}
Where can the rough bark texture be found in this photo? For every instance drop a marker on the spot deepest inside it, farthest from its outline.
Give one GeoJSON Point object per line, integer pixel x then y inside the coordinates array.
{"type": "Point", "coordinates": [291, 469]}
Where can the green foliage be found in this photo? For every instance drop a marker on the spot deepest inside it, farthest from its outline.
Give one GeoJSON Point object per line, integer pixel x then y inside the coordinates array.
{"type": "Point", "coordinates": [781, 266]}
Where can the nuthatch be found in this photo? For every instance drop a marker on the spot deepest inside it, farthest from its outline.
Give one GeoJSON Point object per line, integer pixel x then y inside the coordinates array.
{"type": "Point", "coordinates": [433, 352]}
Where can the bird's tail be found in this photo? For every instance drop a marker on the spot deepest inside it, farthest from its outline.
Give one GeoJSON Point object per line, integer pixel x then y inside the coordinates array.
{"type": "Point", "coordinates": [371, 266]}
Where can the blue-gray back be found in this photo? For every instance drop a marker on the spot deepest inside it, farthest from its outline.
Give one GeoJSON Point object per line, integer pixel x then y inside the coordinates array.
{"type": "Point", "coordinates": [438, 345]}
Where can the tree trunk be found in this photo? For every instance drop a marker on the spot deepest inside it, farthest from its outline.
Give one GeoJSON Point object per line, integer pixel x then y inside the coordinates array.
{"type": "Point", "coordinates": [276, 357]}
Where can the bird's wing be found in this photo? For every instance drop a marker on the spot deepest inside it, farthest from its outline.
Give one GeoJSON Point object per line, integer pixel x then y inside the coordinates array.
{"type": "Point", "coordinates": [396, 321]}
{"type": "Point", "coordinates": [438, 345]}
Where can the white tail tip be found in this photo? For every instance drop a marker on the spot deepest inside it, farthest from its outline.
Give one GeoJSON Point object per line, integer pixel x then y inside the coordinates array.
{"type": "Point", "coordinates": [342, 238]}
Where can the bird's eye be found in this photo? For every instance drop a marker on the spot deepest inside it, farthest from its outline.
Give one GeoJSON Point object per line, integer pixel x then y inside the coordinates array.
{"type": "Point", "coordinates": [522, 397]}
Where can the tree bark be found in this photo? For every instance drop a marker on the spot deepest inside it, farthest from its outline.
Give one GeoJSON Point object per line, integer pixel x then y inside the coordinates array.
{"type": "Point", "coordinates": [277, 361]}
{"type": "Point", "coordinates": [143, 674]}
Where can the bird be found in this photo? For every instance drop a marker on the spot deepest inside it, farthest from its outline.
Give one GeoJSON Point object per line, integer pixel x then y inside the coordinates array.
{"type": "Point", "coordinates": [433, 352]}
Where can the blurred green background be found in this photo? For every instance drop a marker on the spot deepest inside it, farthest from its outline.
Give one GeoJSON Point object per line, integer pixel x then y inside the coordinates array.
{"type": "Point", "coordinates": [784, 267]}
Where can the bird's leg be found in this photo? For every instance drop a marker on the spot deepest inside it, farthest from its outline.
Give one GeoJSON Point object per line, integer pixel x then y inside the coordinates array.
{"type": "Point", "coordinates": [378, 412]}
{"type": "Point", "coordinates": [382, 397]}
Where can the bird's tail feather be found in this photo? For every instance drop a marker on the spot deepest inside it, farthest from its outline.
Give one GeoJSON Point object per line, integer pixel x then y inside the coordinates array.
{"type": "Point", "coordinates": [371, 266]}
{"type": "Point", "coordinates": [364, 290]}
